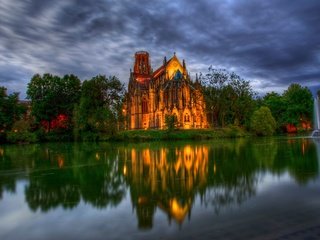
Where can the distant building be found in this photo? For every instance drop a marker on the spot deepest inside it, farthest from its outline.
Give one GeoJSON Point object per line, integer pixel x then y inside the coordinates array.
{"type": "Point", "coordinates": [167, 91]}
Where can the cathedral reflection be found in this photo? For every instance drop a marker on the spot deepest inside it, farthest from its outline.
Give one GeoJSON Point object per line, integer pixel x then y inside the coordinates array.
{"type": "Point", "coordinates": [167, 178]}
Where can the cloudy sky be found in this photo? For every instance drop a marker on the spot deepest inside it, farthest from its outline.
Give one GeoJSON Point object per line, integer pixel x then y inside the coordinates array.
{"type": "Point", "coordinates": [271, 43]}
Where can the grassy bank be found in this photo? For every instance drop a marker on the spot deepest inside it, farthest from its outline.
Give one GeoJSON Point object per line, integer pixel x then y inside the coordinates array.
{"type": "Point", "coordinates": [130, 135]}
{"type": "Point", "coordinates": [192, 134]}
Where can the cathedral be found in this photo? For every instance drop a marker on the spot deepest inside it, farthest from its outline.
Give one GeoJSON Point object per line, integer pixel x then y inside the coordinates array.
{"type": "Point", "coordinates": [166, 91]}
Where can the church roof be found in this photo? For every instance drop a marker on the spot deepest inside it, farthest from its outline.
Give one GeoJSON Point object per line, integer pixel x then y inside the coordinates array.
{"type": "Point", "coordinates": [160, 70]}
{"type": "Point", "coordinates": [163, 69]}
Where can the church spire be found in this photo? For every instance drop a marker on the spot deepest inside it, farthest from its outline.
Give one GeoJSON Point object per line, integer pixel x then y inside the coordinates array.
{"type": "Point", "coordinates": [142, 63]}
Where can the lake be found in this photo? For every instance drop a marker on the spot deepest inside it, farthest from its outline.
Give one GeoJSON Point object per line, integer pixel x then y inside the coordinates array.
{"type": "Point", "coordinates": [264, 188]}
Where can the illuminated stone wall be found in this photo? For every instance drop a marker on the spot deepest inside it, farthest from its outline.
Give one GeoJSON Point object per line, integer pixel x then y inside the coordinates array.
{"type": "Point", "coordinates": [166, 91]}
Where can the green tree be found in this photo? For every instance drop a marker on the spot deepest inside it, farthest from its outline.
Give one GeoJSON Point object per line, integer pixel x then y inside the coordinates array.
{"type": "Point", "coordinates": [21, 132]}
{"type": "Point", "coordinates": [51, 96]}
{"type": "Point", "coordinates": [215, 81]}
{"type": "Point", "coordinates": [10, 109]}
{"type": "Point", "coordinates": [229, 98]}
{"type": "Point", "coordinates": [275, 102]}
{"type": "Point", "coordinates": [262, 122]}
{"type": "Point", "coordinates": [299, 104]}
{"type": "Point", "coordinates": [171, 122]}
{"type": "Point", "coordinates": [100, 105]}
{"type": "Point", "coordinates": [243, 99]}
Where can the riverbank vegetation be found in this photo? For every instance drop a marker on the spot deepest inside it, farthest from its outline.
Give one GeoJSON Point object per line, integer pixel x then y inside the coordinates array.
{"type": "Point", "coordinates": [193, 134]}
{"type": "Point", "coordinates": [64, 109]}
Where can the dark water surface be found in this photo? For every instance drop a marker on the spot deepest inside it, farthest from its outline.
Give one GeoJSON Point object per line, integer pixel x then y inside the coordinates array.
{"type": "Point", "coordinates": [226, 189]}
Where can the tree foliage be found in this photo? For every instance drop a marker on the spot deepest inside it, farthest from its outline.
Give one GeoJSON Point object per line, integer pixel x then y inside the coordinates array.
{"type": "Point", "coordinates": [262, 122]}
{"type": "Point", "coordinates": [100, 105]}
{"type": "Point", "coordinates": [299, 104]}
{"type": "Point", "coordinates": [229, 98]}
{"type": "Point", "coordinates": [277, 106]}
{"type": "Point", "coordinates": [10, 109]}
{"type": "Point", "coordinates": [171, 122]}
{"type": "Point", "coordinates": [292, 107]}
{"type": "Point", "coordinates": [52, 96]}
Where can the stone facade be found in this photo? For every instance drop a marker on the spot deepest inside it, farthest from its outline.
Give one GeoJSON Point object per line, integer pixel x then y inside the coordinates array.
{"type": "Point", "coordinates": [167, 91]}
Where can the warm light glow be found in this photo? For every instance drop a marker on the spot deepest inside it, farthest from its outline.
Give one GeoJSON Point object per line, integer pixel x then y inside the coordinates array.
{"type": "Point", "coordinates": [1, 151]}
{"type": "Point", "coordinates": [146, 157]}
{"type": "Point", "coordinates": [177, 210]}
{"type": "Point", "coordinates": [173, 67]}
{"type": "Point", "coordinates": [142, 200]}
{"type": "Point", "coordinates": [133, 157]}
{"type": "Point", "coordinates": [60, 161]}
{"type": "Point", "coordinates": [143, 79]}
{"type": "Point", "coordinates": [177, 165]}
{"type": "Point", "coordinates": [97, 156]}
{"type": "Point", "coordinates": [168, 170]}
{"type": "Point", "coordinates": [188, 159]}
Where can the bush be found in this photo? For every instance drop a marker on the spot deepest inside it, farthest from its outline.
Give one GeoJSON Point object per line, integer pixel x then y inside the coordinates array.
{"type": "Point", "coordinates": [58, 136]}
{"type": "Point", "coordinates": [22, 137]}
{"type": "Point", "coordinates": [233, 131]}
{"type": "Point", "coordinates": [171, 122]}
{"type": "Point", "coordinates": [21, 133]}
{"type": "Point", "coordinates": [262, 122]}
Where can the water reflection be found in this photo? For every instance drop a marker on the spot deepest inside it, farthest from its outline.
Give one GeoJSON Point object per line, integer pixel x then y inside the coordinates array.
{"type": "Point", "coordinates": [168, 177]}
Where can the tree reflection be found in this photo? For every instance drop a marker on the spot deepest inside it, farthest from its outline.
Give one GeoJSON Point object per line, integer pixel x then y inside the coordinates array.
{"type": "Point", "coordinates": [166, 177]}
{"type": "Point", "coordinates": [63, 175]}
{"type": "Point", "coordinates": [299, 158]}
{"type": "Point", "coordinates": [7, 183]}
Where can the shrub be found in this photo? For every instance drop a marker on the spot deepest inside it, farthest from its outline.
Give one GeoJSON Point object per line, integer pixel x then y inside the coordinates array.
{"type": "Point", "coordinates": [21, 137]}
{"type": "Point", "coordinates": [262, 122]}
{"type": "Point", "coordinates": [20, 133]}
{"type": "Point", "coordinates": [171, 122]}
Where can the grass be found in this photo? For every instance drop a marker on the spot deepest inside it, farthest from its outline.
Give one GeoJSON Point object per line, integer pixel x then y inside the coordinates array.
{"type": "Point", "coordinates": [127, 136]}
{"type": "Point", "coordinates": [193, 134]}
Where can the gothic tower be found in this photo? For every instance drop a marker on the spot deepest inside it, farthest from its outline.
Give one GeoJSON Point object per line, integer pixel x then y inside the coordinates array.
{"type": "Point", "coordinates": [142, 64]}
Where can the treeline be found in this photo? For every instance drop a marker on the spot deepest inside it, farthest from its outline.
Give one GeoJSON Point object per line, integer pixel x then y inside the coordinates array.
{"type": "Point", "coordinates": [63, 108]}
{"type": "Point", "coordinates": [230, 100]}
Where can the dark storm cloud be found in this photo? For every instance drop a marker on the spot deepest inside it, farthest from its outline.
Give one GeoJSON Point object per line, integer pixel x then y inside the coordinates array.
{"type": "Point", "coordinates": [272, 43]}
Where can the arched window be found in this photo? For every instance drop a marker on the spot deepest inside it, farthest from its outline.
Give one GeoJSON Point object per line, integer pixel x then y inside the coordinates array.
{"type": "Point", "coordinates": [166, 98]}
{"type": "Point", "coordinates": [178, 75]}
{"type": "Point", "coordinates": [144, 106]}
{"type": "Point", "coordinates": [158, 121]}
{"type": "Point", "coordinates": [187, 118]}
